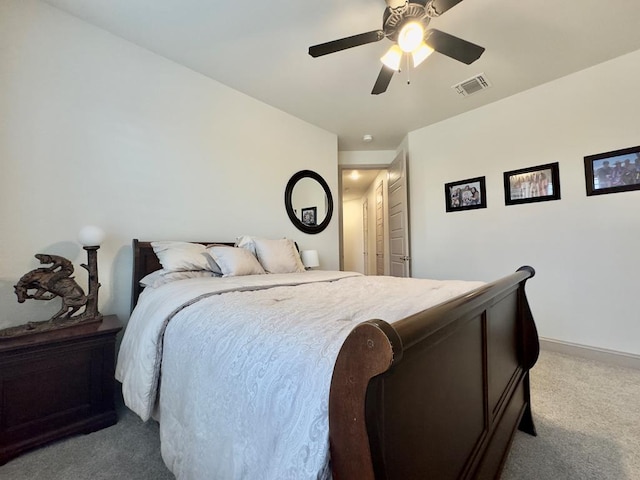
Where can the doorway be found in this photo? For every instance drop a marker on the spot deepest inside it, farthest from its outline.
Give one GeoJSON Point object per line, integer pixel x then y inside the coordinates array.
{"type": "Point", "coordinates": [374, 222]}
{"type": "Point", "coordinates": [358, 202]}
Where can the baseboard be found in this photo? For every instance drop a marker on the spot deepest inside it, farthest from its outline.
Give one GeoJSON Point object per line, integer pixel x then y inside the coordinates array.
{"type": "Point", "coordinates": [611, 357]}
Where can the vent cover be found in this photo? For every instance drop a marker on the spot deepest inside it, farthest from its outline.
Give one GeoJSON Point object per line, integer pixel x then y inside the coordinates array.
{"type": "Point", "coordinates": [472, 85]}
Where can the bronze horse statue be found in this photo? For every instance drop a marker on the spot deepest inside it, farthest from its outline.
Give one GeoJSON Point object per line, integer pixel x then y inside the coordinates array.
{"type": "Point", "coordinates": [46, 283]}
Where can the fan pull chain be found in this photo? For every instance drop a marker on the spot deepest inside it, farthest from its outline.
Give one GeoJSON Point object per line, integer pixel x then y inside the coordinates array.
{"type": "Point", "coordinates": [408, 70]}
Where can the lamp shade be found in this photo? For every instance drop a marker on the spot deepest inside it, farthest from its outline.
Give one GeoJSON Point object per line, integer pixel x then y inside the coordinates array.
{"type": "Point", "coordinates": [392, 58]}
{"type": "Point", "coordinates": [310, 258]}
{"type": "Point", "coordinates": [421, 53]}
{"type": "Point", "coordinates": [91, 236]}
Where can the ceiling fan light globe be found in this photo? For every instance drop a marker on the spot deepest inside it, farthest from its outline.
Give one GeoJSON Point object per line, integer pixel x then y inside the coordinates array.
{"type": "Point", "coordinates": [392, 58]}
{"type": "Point", "coordinates": [411, 36]}
{"type": "Point", "coordinates": [420, 54]}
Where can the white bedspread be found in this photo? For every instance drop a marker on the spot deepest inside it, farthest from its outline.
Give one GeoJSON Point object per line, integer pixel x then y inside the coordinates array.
{"type": "Point", "coordinates": [245, 375]}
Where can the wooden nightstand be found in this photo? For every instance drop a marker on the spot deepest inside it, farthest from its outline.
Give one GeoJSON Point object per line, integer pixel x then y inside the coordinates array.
{"type": "Point", "coordinates": [56, 383]}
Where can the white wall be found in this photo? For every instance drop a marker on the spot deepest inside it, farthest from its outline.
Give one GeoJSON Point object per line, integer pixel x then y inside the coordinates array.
{"type": "Point", "coordinates": [353, 236]}
{"type": "Point", "coordinates": [585, 249]}
{"type": "Point", "coordinates": [366, 157]}
{"type": "Point", "coordinates": [94, 130]}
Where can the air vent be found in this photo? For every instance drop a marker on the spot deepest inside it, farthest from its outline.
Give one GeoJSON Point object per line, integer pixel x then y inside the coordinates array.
{"type": "Point", "coordinates": [472, 85]}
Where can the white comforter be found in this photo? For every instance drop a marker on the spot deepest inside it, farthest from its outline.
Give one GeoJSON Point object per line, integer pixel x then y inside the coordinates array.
{"type": "Point", "coordinates": [245, 375]}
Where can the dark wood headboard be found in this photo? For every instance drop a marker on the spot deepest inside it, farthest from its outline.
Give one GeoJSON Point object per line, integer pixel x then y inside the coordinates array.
{"type": "Point", "coordinates": [145, 262]}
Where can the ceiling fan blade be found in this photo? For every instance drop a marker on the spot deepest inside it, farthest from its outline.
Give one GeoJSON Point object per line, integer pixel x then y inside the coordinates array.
{"type": "Point", "coordinates": [454, 47]}
{"type": "Point", "coordinates": [347, 42]}
{"type": "Point", "coordinates": [384, 78]}
{"type": "Point", "coordinates": [441, 6]}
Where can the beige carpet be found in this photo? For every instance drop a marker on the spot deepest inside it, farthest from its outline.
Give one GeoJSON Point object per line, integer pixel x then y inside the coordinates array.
{"type": "Point", "coordinates": [587, 415]}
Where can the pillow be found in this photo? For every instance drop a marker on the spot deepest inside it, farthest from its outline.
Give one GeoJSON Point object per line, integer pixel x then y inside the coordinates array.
{"type": "Point", "coordinates": [213, 265]}
{"type": "Point", "coordinates": [247, 242]}
{"type": "Point", "coordinates": [181, 256]}
{"type": "Point", "coordinates": [160, 277]}
{"type": "Point", "coordinates": [278, 256]}
{"type": "Point", "coordinates": [235, 261]}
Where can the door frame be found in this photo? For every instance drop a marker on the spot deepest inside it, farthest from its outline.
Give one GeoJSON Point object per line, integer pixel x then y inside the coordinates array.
{"type": "Point", "coordinates": [369, 166]}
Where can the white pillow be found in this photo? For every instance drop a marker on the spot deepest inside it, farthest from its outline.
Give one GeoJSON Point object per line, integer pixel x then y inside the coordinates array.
{"type": "Point", "coordinates": [278, 256]}
{"type": "Point", "coordinates": [160, 277]}
{"type": "Point", "coordinates": [247, 242]}
{"type": "Point", "coordinates": [235, 261]}
{"type": "Point", "coordinates": [181, 256]}
{"type": "Point", "coordinates": [213, 265]}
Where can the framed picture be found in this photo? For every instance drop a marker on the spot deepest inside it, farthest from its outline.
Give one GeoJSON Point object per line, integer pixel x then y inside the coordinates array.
{"type": "Point", "coordinates": [533, 184]}
{"type": "Point", "coordinates": [465, 194]}
{"type": "Point", "coordinates": [308, 216]}
{"type": "Point", "coordinates": [612, 172]}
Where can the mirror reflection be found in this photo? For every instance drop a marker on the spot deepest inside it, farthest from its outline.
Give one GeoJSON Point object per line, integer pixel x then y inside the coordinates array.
{"type": "Point", "coordinates": [309, 201]}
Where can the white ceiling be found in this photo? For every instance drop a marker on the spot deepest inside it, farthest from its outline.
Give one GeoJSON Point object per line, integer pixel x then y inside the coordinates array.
{"type": "Point", "coordinates": [260, 48]}
{"type": "Point", "coordinates": [354, 186]}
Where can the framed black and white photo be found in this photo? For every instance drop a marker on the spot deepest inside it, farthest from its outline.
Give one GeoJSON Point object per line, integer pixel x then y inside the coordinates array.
{"type": "Point", "coordinates": [308, 216]}
{"type": "Point", "coordinates": [533, 184]}
{"type": "Point", "coordinates": [465, 194]}
{"type": "Point", "coordinates": [612, 172]}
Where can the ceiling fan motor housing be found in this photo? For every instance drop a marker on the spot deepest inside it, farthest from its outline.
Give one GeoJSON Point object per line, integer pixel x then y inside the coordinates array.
{"type": "Point", "coordinates": [395, 18]}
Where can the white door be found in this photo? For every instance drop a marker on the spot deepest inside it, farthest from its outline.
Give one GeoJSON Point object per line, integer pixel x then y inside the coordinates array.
{"type": "Point", "coordinates": [379, 229]}
{"type": "Point", "coordinates": [398, 218]}
{"type": "Point", "coordinates": [365, 235]}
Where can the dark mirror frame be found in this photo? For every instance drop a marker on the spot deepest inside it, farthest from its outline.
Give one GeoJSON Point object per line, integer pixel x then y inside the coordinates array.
{"type": "Point", "coordinates": [288, 192]}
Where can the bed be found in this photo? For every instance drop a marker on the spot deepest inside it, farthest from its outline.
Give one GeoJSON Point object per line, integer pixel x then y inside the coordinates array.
{"type": "Point", "coordinates": [435, 393]}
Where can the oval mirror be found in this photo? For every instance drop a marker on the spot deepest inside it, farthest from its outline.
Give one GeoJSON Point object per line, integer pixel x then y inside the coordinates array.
{"type": "Point", "coordinates": [308, 201]}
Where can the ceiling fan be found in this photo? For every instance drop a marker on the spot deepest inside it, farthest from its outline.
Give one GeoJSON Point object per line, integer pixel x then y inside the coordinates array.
{"type": "Point", "coordinates": [405, 23]}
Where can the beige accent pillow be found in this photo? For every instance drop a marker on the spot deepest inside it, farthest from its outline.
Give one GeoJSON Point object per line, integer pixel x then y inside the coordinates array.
{"type": "Point", "coordinates": [235, 261]}
{"type": "Point", "coordinates": [278, 256]}
{"type": "Point", "coordinates": [181, 256]}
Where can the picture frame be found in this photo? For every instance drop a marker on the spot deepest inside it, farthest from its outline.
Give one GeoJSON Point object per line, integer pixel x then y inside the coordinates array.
{"type": "Point", "coordinates": [468, 194]}
{"type": "Point", "coordinates": [532, 184]}
{"type": "Point", "coordinates": [612, 172]}
{"type": "Point", "coordinates": [308, 216]}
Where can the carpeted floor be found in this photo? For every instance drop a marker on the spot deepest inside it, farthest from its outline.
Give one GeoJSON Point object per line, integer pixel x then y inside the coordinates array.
{"type": "Point", "coordinates": [587, 415]}
{"type": "Point", "coordinates": [129, 450]}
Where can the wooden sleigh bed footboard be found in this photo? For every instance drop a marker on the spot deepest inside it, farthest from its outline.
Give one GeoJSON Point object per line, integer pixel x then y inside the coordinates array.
{"type": "Point", "coordinates": [438, 395]}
